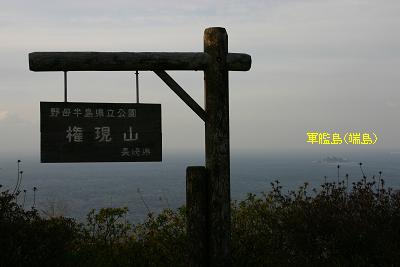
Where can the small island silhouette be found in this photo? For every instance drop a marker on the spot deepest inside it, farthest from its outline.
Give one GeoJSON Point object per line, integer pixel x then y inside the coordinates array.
{"type": "Point", "coordinates": [333, 160]}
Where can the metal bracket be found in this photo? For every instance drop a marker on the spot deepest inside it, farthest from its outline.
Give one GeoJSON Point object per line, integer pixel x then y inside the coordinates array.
{"type": "Point", "coordinates": [137, 86]}
{"type": "Point", "coordinates": [65, 86]}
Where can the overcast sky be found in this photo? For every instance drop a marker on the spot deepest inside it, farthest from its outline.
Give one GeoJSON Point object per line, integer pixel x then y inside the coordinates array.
{"type": "Point", "coordinates": [326, 65]}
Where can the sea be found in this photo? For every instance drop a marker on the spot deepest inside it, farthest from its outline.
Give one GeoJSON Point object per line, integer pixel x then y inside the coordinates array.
{"type": "Point", "coordinates": [73, 190]}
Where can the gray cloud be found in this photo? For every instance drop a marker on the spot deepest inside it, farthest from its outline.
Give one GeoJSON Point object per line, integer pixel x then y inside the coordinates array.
{"type": "Point", "coordinates": [316, 64]}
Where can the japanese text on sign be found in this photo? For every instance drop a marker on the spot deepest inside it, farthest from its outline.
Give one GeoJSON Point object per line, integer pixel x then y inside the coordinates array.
{"type": "Point", "coordinates": [100, 132]}
{"type": "Point", "coordinates": [349, 138]}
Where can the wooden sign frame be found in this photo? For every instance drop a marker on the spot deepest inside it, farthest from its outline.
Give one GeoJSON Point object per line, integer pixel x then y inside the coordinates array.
{"type": "Point", "coordinates": [209, 237]}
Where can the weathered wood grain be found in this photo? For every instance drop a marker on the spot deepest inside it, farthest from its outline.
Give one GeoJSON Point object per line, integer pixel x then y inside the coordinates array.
{"type": "Point", "coordinates": [129, 61]}
{"type": "Point", "coordinates": [217, 145]}
{"type": "Point", "coordinates": [197, 205]}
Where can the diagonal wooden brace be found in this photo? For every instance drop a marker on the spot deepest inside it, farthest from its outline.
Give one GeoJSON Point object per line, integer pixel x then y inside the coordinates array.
{"type": "Point", "coordinates": [181, 93]}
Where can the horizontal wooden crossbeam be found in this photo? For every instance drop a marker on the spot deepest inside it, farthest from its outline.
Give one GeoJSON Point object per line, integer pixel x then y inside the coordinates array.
{"type": "Point", "coordinates": [129, 61]}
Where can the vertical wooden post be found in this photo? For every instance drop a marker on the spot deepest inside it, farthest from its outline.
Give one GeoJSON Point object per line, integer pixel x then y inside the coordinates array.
{"type": "Point", "coordinates": [217, 145]}
{"type": "Point", "coordinates": [197, 205]}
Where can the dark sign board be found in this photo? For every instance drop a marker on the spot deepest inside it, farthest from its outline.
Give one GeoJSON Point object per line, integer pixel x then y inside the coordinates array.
{"type": "Point", "coordinates": [100, 132]}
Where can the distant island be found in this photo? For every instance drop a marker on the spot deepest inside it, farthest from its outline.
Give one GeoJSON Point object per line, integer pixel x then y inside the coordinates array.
{"type": "Point", "coordinates": [333, 160]}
